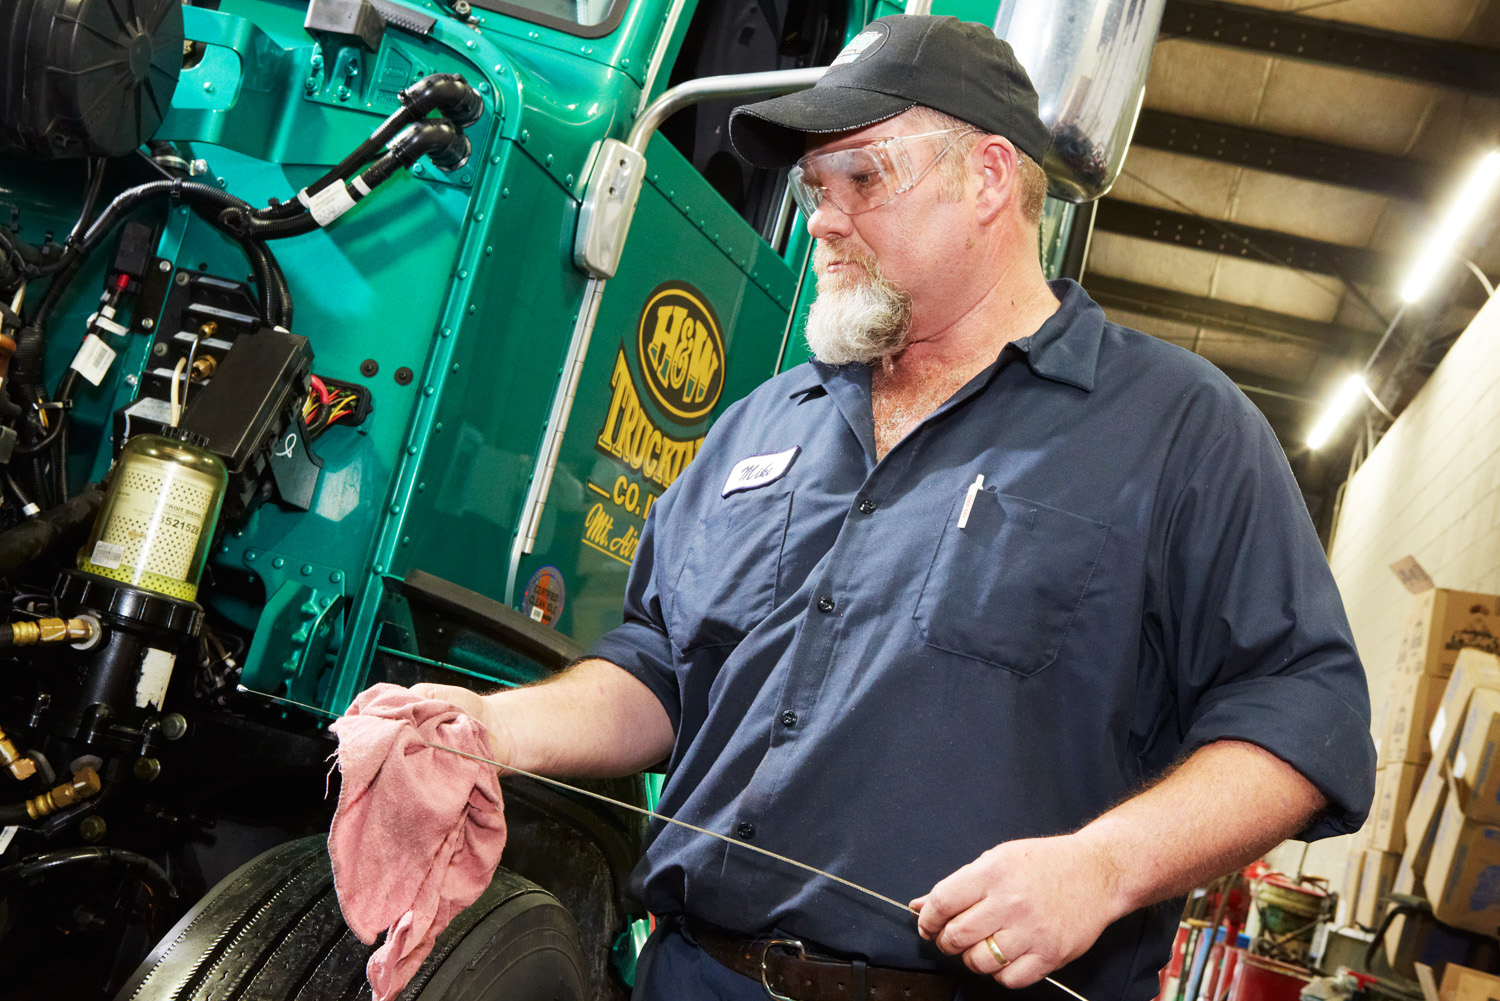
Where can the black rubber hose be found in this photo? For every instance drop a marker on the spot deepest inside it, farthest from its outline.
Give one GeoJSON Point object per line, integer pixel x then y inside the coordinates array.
{"type": "Point", "coordinates": [12, 814]}
{"type": "Point", "coordinates": [24, 544]}
{"type": "Point", "coordinates": [358, 157]}
{"type": "Point", "coordinates": [448, 93]}
{"type": "Point", "coordinates": [36, 867]}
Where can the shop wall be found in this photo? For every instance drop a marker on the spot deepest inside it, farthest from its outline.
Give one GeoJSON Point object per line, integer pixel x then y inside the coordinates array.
{"type": "Point", "coordinates": [1430, 489]}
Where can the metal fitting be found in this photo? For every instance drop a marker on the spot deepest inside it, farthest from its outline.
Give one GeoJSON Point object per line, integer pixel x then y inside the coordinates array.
{"type": "Point", "coordinates": [85, 783]}
{"type": "Point", "coordinates": [11, 757]}
{"type": "Point", "coordinates": [202, 368]}
{"type": "Point", "coordinates": [80, 631]}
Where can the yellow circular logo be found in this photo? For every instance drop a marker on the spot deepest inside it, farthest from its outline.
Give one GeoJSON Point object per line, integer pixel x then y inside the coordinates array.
{"type": "Point", "coordinates": [681, 351]}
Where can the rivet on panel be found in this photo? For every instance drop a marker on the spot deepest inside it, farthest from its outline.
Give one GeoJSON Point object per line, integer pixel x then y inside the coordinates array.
{"type": "Point", "coordinates": [395, 509]}
{"type": "Point", "coordinates": [336, 576]}
{"type": "Point", "coordinates": [307, 569]}
{"type": "Point", "coordinates": [278, 563]}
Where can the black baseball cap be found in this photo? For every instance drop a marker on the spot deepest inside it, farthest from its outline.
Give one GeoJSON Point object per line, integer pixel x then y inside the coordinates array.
{"type": "Point", "coordinates": [896, 63]}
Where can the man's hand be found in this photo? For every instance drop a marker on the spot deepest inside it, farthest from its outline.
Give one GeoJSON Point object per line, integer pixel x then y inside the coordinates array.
{"type": "Point", "coordinates": [1045, 901]}
{"type": "Point", "coordinates": [478, 706]}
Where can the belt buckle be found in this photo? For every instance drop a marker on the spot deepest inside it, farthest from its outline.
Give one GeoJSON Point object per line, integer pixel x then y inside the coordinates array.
{"type": "Point", "coordinates": [765, 981]}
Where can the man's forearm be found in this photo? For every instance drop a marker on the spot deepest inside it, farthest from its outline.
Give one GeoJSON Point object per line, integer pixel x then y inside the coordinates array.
{"type": "Point", "coordinates": [593, 719]}
{"type": "Point", "coordinates": [1222, 808]}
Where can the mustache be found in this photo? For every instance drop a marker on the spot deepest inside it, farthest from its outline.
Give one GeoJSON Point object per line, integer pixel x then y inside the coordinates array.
{"type": "Point", "coordinates": [829, 252]}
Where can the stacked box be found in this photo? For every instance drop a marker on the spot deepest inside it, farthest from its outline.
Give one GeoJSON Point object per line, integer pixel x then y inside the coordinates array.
{"type": "Point", "coordinates": [1395, 785]}
{"type": "Point", "coordinates": [1472, 670]}
{"type": "Point", "coordinates": [1461, 874]}
{"type": "Point", "coordinates": [1379, 876]}
{"type": "Point", "coordinates": [1448, 648]}
{"type": "Point", "coordinates": [1475, 770]}
{"type": "Point", "coordinates": [1440, 623]}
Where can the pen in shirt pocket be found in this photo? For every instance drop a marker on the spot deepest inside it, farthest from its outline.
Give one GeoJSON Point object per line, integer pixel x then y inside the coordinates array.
{"type": "Point", "coordinates": [974, 488]}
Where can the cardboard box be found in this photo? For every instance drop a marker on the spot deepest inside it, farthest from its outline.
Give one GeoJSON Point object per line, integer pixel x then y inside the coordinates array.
{"type": "Point", "coordinates": [1354, 869]}
{"type": "Point", "coordinates": [1463, 874]}
{"type": "Point", "coordinates": [1395, 785]}
{"type": "Point", "coordinates": [1475, 768]}
{"type": "Point", "coordinates": [1441, 622]}
{"type": "Point", "coordinates": [1413, 702]}
{"type": "Point", "coordinates": [1379, 874]}
{"type": "Point", "coordinates": [1460, 983]}
{"type": "Point", "coordinates": [1422, 821]}
{"type": "Point", "coordinates": [1471, 670]}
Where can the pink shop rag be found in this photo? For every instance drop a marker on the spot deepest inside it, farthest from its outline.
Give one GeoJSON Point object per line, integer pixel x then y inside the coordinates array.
{"type": "Point", "coordinates": [418, 832]}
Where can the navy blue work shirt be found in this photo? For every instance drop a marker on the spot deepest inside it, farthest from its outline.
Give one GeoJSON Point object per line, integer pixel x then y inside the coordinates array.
{"type": "Point", "coordinates": [859, 682]}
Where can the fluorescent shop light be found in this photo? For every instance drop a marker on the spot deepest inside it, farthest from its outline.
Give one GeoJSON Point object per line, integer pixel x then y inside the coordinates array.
{"type": "Point", "coordinates": [1467, 205]}
{"type": "Point", "coordinates": [1343, 401]}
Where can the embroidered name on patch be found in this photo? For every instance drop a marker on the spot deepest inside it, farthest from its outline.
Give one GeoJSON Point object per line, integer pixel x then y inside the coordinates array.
{"type": "Point", "coordinates": [759, 470]}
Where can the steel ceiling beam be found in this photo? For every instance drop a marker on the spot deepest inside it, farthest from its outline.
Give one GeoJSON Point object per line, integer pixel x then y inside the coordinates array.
{"type": "Point", "coordinates": [1357, 264]}
{"type": "Point", "coordinates": [1308, 159]}
{"type": "Point", "coordinates": [1166, 304]}
{"type": "Point", "coordinates": [1447, 64]}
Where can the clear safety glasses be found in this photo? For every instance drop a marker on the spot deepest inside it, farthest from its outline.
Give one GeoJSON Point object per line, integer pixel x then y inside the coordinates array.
{"type": "Point", "coordinates": [866, 175]}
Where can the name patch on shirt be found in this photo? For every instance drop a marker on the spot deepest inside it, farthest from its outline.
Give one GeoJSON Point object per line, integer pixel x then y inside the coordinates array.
{"type": "Point", "coordinates": [760, 470]}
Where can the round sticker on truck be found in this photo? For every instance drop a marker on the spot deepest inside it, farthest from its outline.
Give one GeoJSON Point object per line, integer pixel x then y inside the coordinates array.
{"type": "Point", "coordinates": [545, 592]}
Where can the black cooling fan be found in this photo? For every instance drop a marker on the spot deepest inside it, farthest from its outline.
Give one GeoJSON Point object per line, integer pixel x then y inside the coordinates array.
{"type": "Point", "coordinates": [86, 77]}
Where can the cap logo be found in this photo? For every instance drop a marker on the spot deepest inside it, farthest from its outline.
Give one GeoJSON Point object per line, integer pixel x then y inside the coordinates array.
{"type": "Point", "coordinates": [863, 44]}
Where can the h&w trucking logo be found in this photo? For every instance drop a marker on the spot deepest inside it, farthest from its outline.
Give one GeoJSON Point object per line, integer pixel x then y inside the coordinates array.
{"type": "Point", "coordinates": [681, 351]}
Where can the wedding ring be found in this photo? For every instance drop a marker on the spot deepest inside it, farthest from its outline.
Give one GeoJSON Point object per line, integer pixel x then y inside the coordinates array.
{"type": "Point", "coordinates": [995, 951]}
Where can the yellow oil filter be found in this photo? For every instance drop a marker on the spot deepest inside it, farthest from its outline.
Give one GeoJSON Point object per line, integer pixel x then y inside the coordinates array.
{"type": "Point", "coordinates": [159, 512]}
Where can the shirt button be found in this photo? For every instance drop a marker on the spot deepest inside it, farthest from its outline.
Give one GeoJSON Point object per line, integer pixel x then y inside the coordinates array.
{"type": "Point", "coordinates": [867, 506]}
{"type": "Point", "coordinates": [825, 604]}
{"type": "Point", "coordinates": [745, 831]}
{"type": "Point", "coordinates": [788, 718]}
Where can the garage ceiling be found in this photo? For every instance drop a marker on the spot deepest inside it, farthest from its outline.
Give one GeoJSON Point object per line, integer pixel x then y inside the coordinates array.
{"type": "Point", "coordinates": [1289, 156]}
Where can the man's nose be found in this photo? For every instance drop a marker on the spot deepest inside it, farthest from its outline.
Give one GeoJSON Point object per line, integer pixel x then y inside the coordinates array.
{"type": "Point", "coordinates": [828, 220]}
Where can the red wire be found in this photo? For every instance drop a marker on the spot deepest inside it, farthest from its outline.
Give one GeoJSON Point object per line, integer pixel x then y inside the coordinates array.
{"type": "Point", "coordinates": [321, 390]}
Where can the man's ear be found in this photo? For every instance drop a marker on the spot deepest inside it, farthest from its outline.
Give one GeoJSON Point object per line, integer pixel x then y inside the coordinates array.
{"type": "Point", "coordinates": [1000, 177]}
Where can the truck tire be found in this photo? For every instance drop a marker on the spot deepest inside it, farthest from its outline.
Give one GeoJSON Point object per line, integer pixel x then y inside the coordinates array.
{"type": "Point", "coordinates": [272, 931]}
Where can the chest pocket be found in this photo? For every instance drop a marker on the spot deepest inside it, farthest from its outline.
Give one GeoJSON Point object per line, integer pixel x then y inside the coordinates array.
{"type": "Point", "coordinates": [1006, 588]}
{"type": "Point", "coordinates": [727, 582]}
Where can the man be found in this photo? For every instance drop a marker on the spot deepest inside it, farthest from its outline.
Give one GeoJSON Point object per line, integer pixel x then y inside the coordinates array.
{"type": "Point", "coordinates": [996, 607]}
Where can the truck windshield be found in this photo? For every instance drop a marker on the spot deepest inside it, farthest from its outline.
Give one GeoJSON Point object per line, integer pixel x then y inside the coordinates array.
{"type": "Point", "coordinates": [564, 14]}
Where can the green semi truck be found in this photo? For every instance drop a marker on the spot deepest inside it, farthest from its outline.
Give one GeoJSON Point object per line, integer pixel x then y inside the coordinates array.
{"type": "Point", "coordinates": [350, 341]}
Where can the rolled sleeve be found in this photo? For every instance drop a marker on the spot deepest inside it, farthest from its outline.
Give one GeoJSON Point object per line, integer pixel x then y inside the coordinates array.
{"type": "Point", "coordinates": [1263, 649]}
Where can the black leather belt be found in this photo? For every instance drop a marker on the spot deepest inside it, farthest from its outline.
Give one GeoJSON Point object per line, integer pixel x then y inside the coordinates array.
{"type": "Point", "coordinates": [788, 970]}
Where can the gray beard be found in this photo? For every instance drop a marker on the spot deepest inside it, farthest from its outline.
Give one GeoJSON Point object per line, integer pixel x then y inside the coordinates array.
{"type": "Point", "coordinates": [860, 320]}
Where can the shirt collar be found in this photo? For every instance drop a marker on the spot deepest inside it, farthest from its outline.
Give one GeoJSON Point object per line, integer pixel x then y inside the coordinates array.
{"type": "Point", "coordinates": [1064, 349]}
